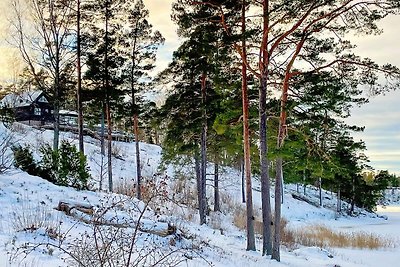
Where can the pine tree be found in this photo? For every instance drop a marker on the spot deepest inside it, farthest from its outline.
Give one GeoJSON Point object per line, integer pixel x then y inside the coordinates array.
{"type": "Point", "coordinates": [140, 45]}
{"type": "Point", "coordinates": [104, 63]}
{"type": "Point", "coordinates": [195, 73]}
{"type": "Point", "coordinates": [285, 44]}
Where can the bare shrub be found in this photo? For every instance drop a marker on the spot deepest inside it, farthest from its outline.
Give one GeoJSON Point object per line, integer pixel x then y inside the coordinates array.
{"type": "Point", "coordinates": [215, 221]}
{"type": "Point", "coordinates": [239, 216]}
{"type": "Point", "coordinates": [184, 192]}
{"type": "Point", "coordinates": [6, 158]}
{"type": "Point", "coordinates": [98, 167]}
{"type": "Point", "coordinates": [321, 236]}
{"type": "Point", "coordinates": [107, 245]}
{"type": "Point", "coordinates": [118, 151]}
{"type": "Point", "coordinates": [228, 203]}
{"type": "Point", "coordinates": [121, 231]}
{"type": "Point", "coordinates": [240, 221]}
{"type": "Point", "coordinates": [17, 127]}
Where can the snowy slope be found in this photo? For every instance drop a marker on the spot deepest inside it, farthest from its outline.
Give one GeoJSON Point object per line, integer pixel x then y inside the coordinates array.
{"type": "Point", "coordinates": [219, 243]}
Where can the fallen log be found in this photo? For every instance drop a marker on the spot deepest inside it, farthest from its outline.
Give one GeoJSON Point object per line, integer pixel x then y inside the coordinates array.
{"type": "Point", "coordinates": [66, 207]}
{"type": "Point", "coordinates": [87, 214]}
{"type": "Point", "coordinates": [305, 199]}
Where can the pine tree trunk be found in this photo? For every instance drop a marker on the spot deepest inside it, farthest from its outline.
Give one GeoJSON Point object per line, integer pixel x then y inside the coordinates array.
{"type": "Point", "coordinates": [282, 132]}
{"type": "Point", "coordinates": [282, 187]}
{"type": "Point", "coordinates": [277, 221]}
{"type": "Point", "coordinates": [339, 202]}
{"type": "Point", "coordinates": [216, 185]}
{"type": "Point", "coordinates": [264, 168]}
{"type": "Point", "coordinates": [243, 183]}
{"type": "Point", "coordinates": [108, 109]}
{"type": "Point", "coordinates": [135, 117]}
{"type": "Point", "coordinates": [197, 169]}
{"type": "Point", "coordinates": [320, 191]}
{"type": "Point", "coordinates": [57, 89]}
{"type": "Point", "coordinates": [138, 165]}
{"type": "Point", "coordinates": [203, 152]}
{"type": "Point", "coordinates": [102, 143]}
{"type": "Point", "coordinates": [264, 176]}
{"type": "Point", "coordinates": [109, 146]}
{"type": "Point", "coordinates": [79, 74]}
{"type": "Point", "coordinates": [251, 242]}
{"type": "Point", "coordinates": [353, 196]}
{"type": "Point", "coordinates": [102, 146]}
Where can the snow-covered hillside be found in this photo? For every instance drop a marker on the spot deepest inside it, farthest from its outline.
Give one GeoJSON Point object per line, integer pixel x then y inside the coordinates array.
{"type": "Point", "coordinates": [34, 233]}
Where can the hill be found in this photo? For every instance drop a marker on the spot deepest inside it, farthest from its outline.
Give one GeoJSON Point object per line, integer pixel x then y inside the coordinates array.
{"type": "Point", "coordinates": [163, 230]}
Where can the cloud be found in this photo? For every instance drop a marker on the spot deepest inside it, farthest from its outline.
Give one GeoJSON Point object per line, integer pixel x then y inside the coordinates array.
{"type": "Point", "coordinates": [382, 133]}
{"type": "Point", "coordinates": [160, 17]}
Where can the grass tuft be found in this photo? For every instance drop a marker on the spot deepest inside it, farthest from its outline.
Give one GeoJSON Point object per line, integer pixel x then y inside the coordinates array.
{"type": "Point", "coordinates": [319, 235]}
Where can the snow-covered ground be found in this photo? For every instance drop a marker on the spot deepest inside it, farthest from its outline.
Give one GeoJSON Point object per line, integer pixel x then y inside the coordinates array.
{"type": "Point", "coordinates": [25, 198]}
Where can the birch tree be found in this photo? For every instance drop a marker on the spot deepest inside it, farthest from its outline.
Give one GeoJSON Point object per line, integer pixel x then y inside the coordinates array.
{"type": "Point", "coordinates": [42, 32]}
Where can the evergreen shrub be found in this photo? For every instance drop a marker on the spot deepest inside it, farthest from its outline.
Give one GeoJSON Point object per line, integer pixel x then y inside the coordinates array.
{"type": "Point", "coordinates": [66, 166]}
{"type": "Point", "coordinates": [23, 159]}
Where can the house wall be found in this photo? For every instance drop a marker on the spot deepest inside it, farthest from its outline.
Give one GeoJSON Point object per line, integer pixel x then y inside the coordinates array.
{"type": "Point", "coordinates": [28, 113]}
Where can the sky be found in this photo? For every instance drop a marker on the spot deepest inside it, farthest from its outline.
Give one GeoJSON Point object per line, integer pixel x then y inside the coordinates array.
{"type": "Point", "coordinates": [381, 116]}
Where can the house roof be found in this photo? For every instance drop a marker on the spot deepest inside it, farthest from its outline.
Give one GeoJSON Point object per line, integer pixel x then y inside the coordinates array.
{"type": "Point", "coordinates": [22, 100]}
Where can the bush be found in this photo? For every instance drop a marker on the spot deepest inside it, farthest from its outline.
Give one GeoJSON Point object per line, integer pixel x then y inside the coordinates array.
{"type": "Point", "coordinates": [66, 166]}
{"type": "Point", "coordinates": [23, 159]}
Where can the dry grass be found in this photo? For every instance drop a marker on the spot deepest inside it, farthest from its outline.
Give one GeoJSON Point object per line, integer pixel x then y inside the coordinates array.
{"type": "Point", "coordinates": [314, 235]}
{"type": "Point", "coordinates": [125, 187]}
{"type": "Point", "coordinates": [154, 193]}
{"type": "Point", "coordinates": [184, 192]}
{"type": "Point", "coordinates": [30, 217]}
{"type": "Point", "coordinates": [240, 220]}
{"type": "Point", "coordinates": [240, 217]}
{"type": "Point", "coordinates": [321, 236]}
{"type": "Point", "coordinates": [228, 203]}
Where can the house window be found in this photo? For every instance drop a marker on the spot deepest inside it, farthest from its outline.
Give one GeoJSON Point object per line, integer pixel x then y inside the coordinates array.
{"type": "Point", "coordinates": [37, 112]}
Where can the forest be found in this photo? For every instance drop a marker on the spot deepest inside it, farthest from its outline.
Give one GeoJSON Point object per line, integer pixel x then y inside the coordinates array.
{"type": "Point", "coordinates": [262, 86]}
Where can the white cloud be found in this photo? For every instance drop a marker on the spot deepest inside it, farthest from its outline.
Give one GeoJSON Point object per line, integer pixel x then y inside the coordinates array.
{"type": "Point", "coordinates": [160, 17]}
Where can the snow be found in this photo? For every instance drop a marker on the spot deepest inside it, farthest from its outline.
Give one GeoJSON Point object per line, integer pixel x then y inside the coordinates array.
{"type": "Point", "coordinates": [218, 244]}
{"type": "Point", "coordinates": [22, 99]}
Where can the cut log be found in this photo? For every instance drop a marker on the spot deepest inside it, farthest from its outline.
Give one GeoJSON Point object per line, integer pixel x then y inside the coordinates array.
{"type": "Point", "coordinates": [66, 207]}
{"type": "Point", "coordinates": [86, 213]}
